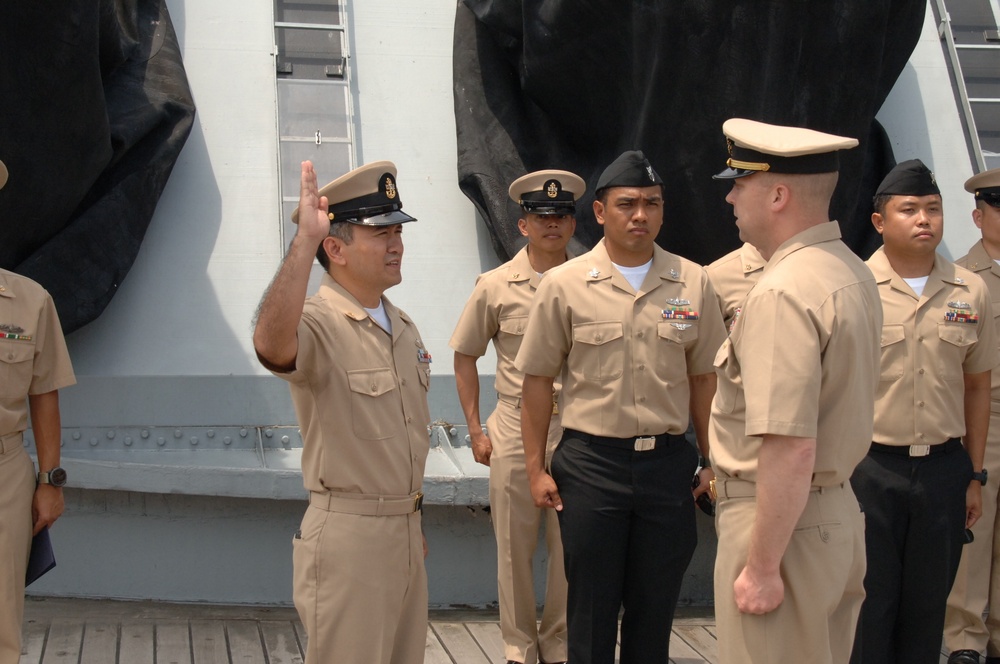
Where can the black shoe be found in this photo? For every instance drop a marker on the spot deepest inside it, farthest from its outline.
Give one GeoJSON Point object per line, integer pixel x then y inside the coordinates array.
{"type": "Point", "coordinates": [510, 661]}
{"type": "Point", "coordinates": [963, 657]}
{"type": "Point", "coordinates": [993, 660]}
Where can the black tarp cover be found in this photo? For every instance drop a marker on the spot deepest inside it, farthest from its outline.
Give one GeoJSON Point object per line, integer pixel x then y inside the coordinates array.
{"type": "Point", "coordinates": [96, 108]}
{"type": "Point", "coordinates": [573, 83]}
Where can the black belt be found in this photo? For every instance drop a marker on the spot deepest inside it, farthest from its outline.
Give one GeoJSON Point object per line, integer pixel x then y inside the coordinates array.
{"type": "Point", "coordinates": [950, 445]}
{"type": "Point", "coordinates": [635, 443]}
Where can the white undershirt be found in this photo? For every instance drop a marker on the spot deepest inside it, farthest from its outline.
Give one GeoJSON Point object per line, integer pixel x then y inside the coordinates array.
{"type": "Point", "coordinates": [635, 275]}
{"type": "Point", "coordinates": [917, 284]}
{"type": "Point", "coordinates": [379, 316]}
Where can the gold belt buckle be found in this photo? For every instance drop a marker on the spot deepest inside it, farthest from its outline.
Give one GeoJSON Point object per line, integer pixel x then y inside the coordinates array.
{"type": "Point", "coordinates": [418, 501]}
{"type": "Point", "coordinates": [712, 491]}
{"type": "Point", "coordinates": [555, 407]}
{"type": "Point", "coordinates": [644, 443]}
{"type": "Point", "coordinates": [919, 450]}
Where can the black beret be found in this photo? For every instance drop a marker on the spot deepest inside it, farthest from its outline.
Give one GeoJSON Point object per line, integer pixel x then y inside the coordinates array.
{"type": "Point", "coordinates": [909, 178]}
{"type": "Point", "coordinates": [631, 169]}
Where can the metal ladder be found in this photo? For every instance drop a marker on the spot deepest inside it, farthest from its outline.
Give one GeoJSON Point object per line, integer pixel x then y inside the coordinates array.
{"type": "Point", "coordinates": [969, 29]}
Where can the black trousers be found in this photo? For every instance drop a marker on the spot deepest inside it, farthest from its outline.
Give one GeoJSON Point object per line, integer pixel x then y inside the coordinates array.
{"type": "Point", "coordinates": [628, 533]}
{"type": "Point", "coordinates": [914, 529]}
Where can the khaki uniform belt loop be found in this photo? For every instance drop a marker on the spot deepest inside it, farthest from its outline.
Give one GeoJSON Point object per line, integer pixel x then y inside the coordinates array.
{"type": "Point", "coordinates": [730, 487]}
{"type": "Point", "coordinates": [367, 504]}
{"type": "Point", "coordinates": [11, 442]}
{"type": "Point", "coordinates": [513, 401]}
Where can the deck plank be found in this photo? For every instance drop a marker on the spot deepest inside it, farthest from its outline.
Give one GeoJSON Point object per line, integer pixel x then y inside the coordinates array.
{"type": "Point", "coordinates": [681, 651]}
{"type": "Point", "coordinates": [33, 641]}
{"type": "Point", "coordinates": [700, 640]}
{"type": "Point", "coordinates": [100, 643]}
{"type": "Point", "coordinates": [300, 631]}
{"type": "Point", "coordinates": [136, 642]}
{"type": "Point", "coordinates": [64, 642]}
{"type": "Point", "coordinates": [173, 642]}
{"type": "Point", "coordinates": [490, 639]}
{"type": "Point", "coordinates": [245, 645]}
{"type": "Point", "coordinates": [434, 652]}
{"type": "Point", "coordinates": [280, 642]}
{"type": "Point", "coordinates": [208, 642]}
{"type": "Point", "coordinates": [459, 644]}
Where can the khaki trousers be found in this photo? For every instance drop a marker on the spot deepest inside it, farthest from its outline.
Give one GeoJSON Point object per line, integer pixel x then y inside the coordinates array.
{"type": "Point", "coordinates": [977, 584]}
{"type": "Point", "coordinates": [823, 569]}
{"type": "Point", "coordinates": [360, 587]}
{"type": "Point", "coordinates": [516, 522]}
{"type": "Point", "coordinates": [17, 488]}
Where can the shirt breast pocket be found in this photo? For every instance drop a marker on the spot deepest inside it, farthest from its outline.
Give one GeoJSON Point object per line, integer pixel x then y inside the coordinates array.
{"type": "Point", "coordinates": [674, 337]}
{"type": "Point", "coordinates": [894, 357]}
{"type": "Point", "coordinates": [15, 368]}
{"type": "Point", "coordinates": [372, 398]}
{"type": "Point", "coordinates": [510, 334]}
{"type": "Point", "coordinates": [957, 339]}
{"type": "Point", "coordinates": [728, 387]}
{"type": "Point", "coordinates": [599, 350]}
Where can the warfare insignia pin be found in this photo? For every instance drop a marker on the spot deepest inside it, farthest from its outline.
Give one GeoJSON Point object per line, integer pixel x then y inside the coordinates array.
{"type": "Point", "coordinates": [677, 301]}
{"type": "Point", "coordinates": [958, 304]}
{"type": "Point", "coordinates": [390, 187]}
{"type": "Point", "coordinates": [681, 326]}
{"type": "Point", "coordinates": [594, 273]}
{"type": "Point", "coordinates": [12, 329]}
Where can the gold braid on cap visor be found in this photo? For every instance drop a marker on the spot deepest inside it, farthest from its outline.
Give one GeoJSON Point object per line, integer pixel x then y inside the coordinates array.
{"type": "Point", "coordinates": [748, 165]}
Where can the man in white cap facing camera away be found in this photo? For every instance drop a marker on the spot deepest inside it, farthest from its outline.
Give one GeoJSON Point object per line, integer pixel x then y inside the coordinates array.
{"type": "Point", "coordinates": [358, 373]}
{"type": "Point", "coordinates": [498, 311]}
{"type": "Point", "coordinates": [793, 412]}
{"type": "Point", "coordinates": [916, 484]}
{"type": "Point", "coordinates": [632, 330]}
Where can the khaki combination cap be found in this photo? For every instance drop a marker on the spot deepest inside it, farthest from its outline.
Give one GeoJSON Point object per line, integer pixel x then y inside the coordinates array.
{"type": "Point", "coordinates": [3, 174]}
{"type": "Point", "coordinates": [548, 192]}
{"type": "Point", "coordinates": [367, 196]}
{"type": "Point", "coordinates": [985, 186]}
{"type": "Point", "coordinates": [756, 147]}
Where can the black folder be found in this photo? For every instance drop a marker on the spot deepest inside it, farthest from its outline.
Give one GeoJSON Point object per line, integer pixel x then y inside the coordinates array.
{"type": "Point", "coordinates": [41, 559]}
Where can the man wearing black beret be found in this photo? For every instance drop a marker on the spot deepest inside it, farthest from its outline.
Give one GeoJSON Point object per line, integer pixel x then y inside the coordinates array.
{"type": "Point", "coordinates": [633, 331]}
{"type": "Point", "coordinates": [932, 410]}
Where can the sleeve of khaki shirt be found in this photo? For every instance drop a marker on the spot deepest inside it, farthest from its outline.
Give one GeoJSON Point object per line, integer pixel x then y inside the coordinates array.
{"type": "Point", "coordinates": [781, 366]}
{"type": "Point", "coordinates": [983, 355]}
{"type": "Point", "coordinates": [477, 324]}
{"type": "Point", "coordinates": [305, 358]}
{"type": "Point", "coordinates": [51, 369]}
{"type": "Point", "coordinates": [547, 338]}
{"type": "Point", "coordinates": [711, 333]}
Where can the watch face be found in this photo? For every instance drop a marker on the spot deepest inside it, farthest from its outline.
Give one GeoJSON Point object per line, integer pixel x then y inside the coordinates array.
{"type": "Point", "coordinates": [57, 477]}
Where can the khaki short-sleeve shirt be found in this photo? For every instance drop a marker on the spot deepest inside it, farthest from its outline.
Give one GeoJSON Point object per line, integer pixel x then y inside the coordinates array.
{"type": "Point", "coordinates": [624, 356]}
{"type": "Point", "coordinates": [360, 397]}
{"type": "Point", "coordinates": [980, 262]}
{"type": "Point", "coordinates": [733, 276]}
{"type": "Point", "coordinates": [498, 310]}
{"type": "Point", "coordinates": [928, 345]}
{"type": "Point", "coordinates": [33, 355]}
{"type": "Point", "coordinates": [801, 360]}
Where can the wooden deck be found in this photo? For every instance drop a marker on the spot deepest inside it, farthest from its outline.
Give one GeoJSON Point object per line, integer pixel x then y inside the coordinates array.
{"type": "Point", "coordinates": [74, 631]}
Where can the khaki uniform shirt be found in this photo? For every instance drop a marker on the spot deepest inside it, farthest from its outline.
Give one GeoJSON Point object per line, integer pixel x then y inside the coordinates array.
{"type": "Point", "coordinates": [980, 262]}
{"type": "Point", "coordinates": [360, 397]}
{"type": "Point", "coordinates": [624, 355]}
{"type": "Point", "coordinates": [33, 355]}
{"type": "Point", "coordinates": [498, 310]}
{"type": "Point", "coordinates": [733, 276]}
{"type": "Point", "coordinates": [927, 348]}
{"type": "Point", "coordinates": [801, 360]}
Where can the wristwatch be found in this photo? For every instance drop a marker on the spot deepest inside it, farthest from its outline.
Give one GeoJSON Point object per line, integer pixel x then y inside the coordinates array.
{"type": "Point", "coordinates": [55, 477]}
{"type": "Point", "coordinates": [981, 476]}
